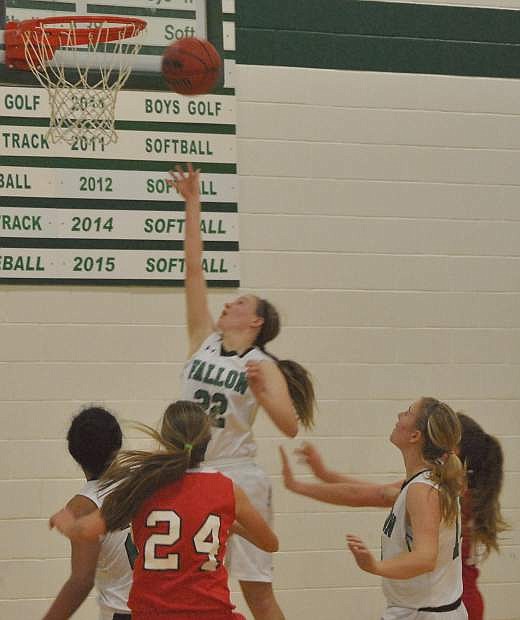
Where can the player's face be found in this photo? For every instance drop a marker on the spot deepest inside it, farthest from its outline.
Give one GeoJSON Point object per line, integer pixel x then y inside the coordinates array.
{"type": "Point", "coordinates": [406, 425]}
{"type": "Point", "coordinates": [239, 314]}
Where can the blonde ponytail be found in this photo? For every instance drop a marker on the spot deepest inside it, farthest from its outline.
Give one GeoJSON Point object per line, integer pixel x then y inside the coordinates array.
{"type": "Point", "coordinates": [136, 474]}
{"type": "Point", "coordinates": [441, 430]}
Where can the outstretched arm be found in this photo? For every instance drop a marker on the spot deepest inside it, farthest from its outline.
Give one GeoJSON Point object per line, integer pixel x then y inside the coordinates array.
{"type": "Point", "coordinates": [83, 562]}
{"type": "Point", "coordinates": [309, 454]}
{"type": "Point", "coordinates": [271, 392]}
{"type": "Point", "coordinates": [251, 525]}
{"type": "Point", "coordinates": [422, 505]}
{"type": "Point", "coordinates": [200, 322]}
{"type": "Point", "coordinates": [340, 493]}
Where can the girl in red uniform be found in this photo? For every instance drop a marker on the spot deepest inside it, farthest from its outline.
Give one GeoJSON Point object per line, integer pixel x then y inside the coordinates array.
{"type": "Point", "coordinates": [481, 517]}
{"type": "Point", "coordinates": [181, 518]}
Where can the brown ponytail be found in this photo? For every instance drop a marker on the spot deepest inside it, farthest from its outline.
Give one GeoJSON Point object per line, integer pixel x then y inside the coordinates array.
{"type": "Point", "coordinates": [441, 430]}
{"type": "Point", "coordinates": [299, 382]}
{"type": "Point", "coordinates": [184, 435]}
{"type": "Point", "coordinates": [484, 461]}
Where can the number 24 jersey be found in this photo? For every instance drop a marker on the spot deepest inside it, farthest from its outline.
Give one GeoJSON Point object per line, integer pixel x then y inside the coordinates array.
{"type": "Point", "coordinates": [180, 533]}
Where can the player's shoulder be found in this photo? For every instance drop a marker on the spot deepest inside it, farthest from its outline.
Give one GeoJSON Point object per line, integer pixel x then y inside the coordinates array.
{"type": "Point", "coordinates": [210, 343]}
{"type": "Point", "coordinates": [256, 354]}
{"type": "Point", "coordinates": [90, 490]}
{"type": "Point", "coordinates": [81, 505]}
{"type": "Point", "coordinates": [210, 475]}
{"type": "Point", "coordinates": [420, 481]}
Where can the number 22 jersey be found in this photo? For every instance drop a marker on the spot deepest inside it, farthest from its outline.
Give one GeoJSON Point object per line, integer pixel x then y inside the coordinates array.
{"type": "Point", "coordinates": [217, 381]}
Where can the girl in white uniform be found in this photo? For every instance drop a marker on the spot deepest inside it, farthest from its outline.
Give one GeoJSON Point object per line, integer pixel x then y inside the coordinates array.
{"type": "Point", "coordinates": [94, 437]}
{"type": "Point", "coordinates": [420, 548]}
{"type": "Point", "coordinates": [230, 374]}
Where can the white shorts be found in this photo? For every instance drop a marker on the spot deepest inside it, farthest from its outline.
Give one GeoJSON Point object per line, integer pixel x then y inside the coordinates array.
{"type": "Point", "coordinates": [402, 613]}
{"type": "Point", "coordinates": [245, 561]}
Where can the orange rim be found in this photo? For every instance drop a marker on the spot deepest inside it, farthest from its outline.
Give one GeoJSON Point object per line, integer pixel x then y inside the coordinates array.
{"type": "Point", "coordinates": [122, 27]}
{"type": "Point", "coordinates": [41, 30]}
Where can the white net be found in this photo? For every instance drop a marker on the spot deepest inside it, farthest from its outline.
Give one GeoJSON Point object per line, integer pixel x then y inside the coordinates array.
{"type": "Point", "coordinates": [82, 97]}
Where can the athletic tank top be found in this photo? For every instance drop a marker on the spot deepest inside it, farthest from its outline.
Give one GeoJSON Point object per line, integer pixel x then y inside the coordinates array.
{"type": "Point", "coordinates": [442, 585]}
{"type": "Point", "coordinates": [113, 571]}
{"type": "Point", "coordinates": [180, 533]}
{"type": "Point", "coordinates": [218, 383]}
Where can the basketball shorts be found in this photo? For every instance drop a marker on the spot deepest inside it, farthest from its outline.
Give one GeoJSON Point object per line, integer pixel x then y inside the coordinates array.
{"type": "Point", "coordinates": [245, 561]}
{"type": "Point", "coordinates": [110, 614]}
{"type": "Point", "coordinates": [402, 613]}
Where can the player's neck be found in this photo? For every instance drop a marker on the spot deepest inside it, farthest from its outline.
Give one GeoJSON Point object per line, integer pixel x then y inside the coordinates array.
{"type": "Point", "coordinates": [414, 463]}
{"type": "Point", "coordinates": [237, 341]}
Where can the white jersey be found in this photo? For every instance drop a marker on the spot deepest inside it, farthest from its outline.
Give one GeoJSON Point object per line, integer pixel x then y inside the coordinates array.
{"type": "Point", "coordinates": [440, 587]}
{"type": "Point", "coordinates": [113, 571]}
{"type": "Point", "coordinates": [217, 381]}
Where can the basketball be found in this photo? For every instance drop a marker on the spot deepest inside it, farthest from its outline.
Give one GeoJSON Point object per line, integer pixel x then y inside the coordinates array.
{"type": "Point", "coordinates": [191, 66]}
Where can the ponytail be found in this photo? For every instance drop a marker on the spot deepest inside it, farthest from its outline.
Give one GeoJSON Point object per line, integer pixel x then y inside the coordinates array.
{"type": "Point", "coordinates": [299, 382]}
{"type": "Point", "coordinates": [136, 474]}
{"type": "Point", "coordinates": [441, 430]}
{"type": "Point", "coordinates": [301, 390]}
{"type": "Point", "coordinates": [448, 473]}
{"type": "Point", "coordinates": [484, 460]}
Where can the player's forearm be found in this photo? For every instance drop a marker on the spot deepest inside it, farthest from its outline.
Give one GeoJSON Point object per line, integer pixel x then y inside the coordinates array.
{"type": "Point", "coordinates": [407, 565]}
{"type": "Point", "coordinates": [340, 493]}
{"type": "Point", "coordinates": [267, 541]}
{"type": "Point", "coordinates": [281, 413]}
{"type": "Point", "coordinates": [70, 597]}
{"type": "Point", "coordinates": [329, 475]}
{"type": "Point", "coordinates": [192, 238]}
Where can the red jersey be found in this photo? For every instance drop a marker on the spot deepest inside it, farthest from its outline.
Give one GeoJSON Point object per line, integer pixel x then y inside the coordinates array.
{"type": "Point", "coordinates": [471, 596]}
{"type": "Point", "coordinates": [180, 533]}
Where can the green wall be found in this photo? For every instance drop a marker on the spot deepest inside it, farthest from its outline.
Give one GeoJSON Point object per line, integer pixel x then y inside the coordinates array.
{"type": "Point", "coordinates": [379, 36]}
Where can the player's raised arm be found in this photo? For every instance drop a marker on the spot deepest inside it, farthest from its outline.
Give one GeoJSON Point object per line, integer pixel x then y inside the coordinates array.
{"type": "Point", "coordinates": [309, 455]}
{"type": "Point", "coordinates": [340, 493]}
{"type": "Point", "coordinates": [200, 321]}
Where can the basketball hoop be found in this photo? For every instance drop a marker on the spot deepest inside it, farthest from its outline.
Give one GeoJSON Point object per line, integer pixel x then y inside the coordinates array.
{"type": "Point", "coordinates": [82, 98]}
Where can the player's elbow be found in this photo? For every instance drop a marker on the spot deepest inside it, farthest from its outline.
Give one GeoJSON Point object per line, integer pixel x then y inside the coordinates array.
{"type": "Point", "coordinates": [271, 544]}
{"type": "Point", "coordinates": [291, 431]}
{"type": "Point", "coordinates": [427, 562]}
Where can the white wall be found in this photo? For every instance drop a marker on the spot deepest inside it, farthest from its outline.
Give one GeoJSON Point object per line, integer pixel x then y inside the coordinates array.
{"type": "Point", "coordinates": [380, 213]}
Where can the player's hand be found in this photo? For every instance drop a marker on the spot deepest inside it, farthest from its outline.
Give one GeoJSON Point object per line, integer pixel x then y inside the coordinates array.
{"type": "Point", "coordinates": [364, 558]}
{"type": "Point", "coordinates": [63, 521]}
{"type": "Point", "coordinates": [185, 182]}
{"type": "Point", "coordinates": [309, 455]}
{"type": "Point", "coordinates": [287, 473]}
{"type": "Point", "coordinates": [256, 378]}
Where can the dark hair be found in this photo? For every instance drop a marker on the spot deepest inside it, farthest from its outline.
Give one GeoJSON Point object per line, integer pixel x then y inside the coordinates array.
{"type": "Point", "coordinates": [299, 382]}
{"type": "Point", "coordinates": [482, 455]}
{"type": "Point", "coordinates": [93, 438]}
{"type": "Point", "coordinates": [441, 431]}
{"type": "Point", "coordinates": [184, 435]}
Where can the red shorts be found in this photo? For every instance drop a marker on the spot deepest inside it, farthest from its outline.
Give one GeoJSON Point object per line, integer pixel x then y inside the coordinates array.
{"type": "Point", "coordinates": [471, 596]}
{"type": "Point", "coordinates": [474, 604]}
